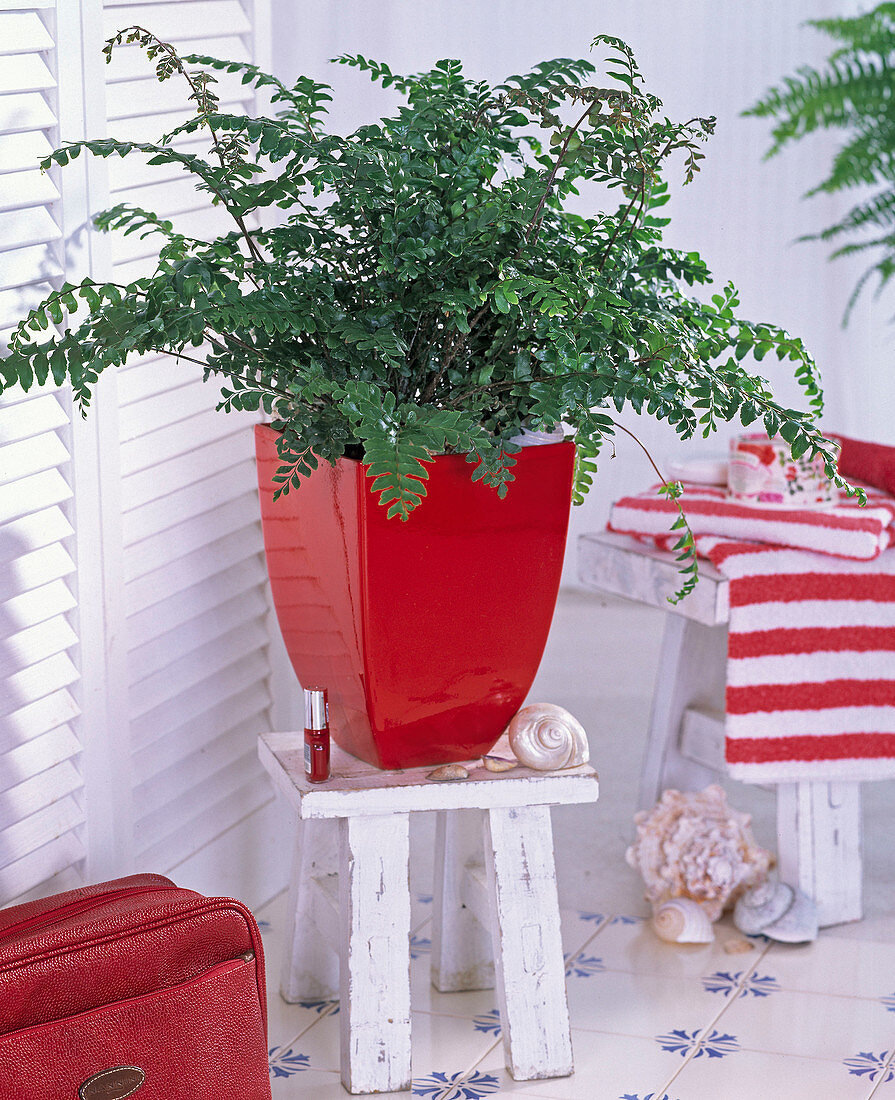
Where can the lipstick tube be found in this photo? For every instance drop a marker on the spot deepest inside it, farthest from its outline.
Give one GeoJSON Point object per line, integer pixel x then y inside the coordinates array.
{"type": "Point", "coordinates": [316, 735]}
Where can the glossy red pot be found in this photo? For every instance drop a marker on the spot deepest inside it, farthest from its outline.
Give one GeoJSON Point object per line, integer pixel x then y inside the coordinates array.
{"type": "Point", "coordinates": [427, 634]}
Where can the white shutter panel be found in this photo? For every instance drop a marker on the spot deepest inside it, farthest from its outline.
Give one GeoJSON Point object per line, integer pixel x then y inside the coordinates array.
{"type": "Point", "coordinates": [195, 601]}
{"type": "Point", "coordinates": [41, 843]}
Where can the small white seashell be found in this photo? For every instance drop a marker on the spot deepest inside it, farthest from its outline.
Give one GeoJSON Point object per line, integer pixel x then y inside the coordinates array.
{"type": "Point", "coordinates": [546, 737]}
{"type": "Point", "coordinates": [499, 763]}
{"type": "Point", "coordinates": [448, 772]}
{"type": "Point", "coordinates": [798, 924]}
{"type": "Point", "coordinates": [682, 920]}
{"type": "Point", "coordinates": [738, 946]}
{"type": "Point", "coordinates": [761, 906]}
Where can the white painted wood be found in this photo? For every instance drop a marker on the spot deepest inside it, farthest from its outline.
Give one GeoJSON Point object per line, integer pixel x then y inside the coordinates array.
{"type": "Point", "coordinates": [310, 970]}
{"type": "Point", "coordinates": [182, 749]}
{"type": "Point", "coordinates": [45, 714]}
{"type": "Point", "coordinates": [691, 674]}
{"type": "Point", "coordinates": [359, 789]}
{"type": "Point", "coordinates": [219, 802]}
{"type": "Point", "coordinates": [38, 866]}
{"type": "Point", "coordinates": [240, 860]}
{"type": "Point", "coordinates": [626, 567]}
{"type": "Point", "coordinates": [819, 846]}
{"type": "Point", "coordinates": [326, 908]}
{"type": "Point", "coordinates": [534, 1010]}
{"type": "Point", "coordinates": [41, 798]}
{"type": "Point", "coordinates": [702, 738]}
{"type": "Point", "coordinates": [462, 956]}
{"type": "Point", "coordinates": [477, 892]}
{"type": "Point", "coordinates": [513, 894]}
{"type": "Point", "coordinates": [375, 972]}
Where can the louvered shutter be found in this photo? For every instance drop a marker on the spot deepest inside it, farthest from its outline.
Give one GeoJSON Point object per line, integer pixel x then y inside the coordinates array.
{"type": "Point", "coordinates": [41, 813]}
{"type": "Point", "coordinates": [135, 623]}
{"type": "Point", "coordinates": [195, 601]}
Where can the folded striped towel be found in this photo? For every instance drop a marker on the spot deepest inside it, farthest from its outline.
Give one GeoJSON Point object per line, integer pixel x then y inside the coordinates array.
{"type": "Point", "coordinates": [846, 530]}
{"type": "Point", "coordinates": [811, 641]}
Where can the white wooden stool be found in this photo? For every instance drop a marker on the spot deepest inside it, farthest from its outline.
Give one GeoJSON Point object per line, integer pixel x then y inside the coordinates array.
{"type": "Point", "coordinates": [494, 882]}
{"type": "Point", "coordinates": [818, 824]}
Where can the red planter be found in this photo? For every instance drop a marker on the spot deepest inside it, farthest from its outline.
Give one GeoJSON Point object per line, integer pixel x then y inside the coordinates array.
{"type": "Point", "coordinates": [427, 634]}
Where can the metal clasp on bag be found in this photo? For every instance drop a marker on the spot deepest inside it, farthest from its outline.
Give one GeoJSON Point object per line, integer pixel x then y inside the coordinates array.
{"type": "Point", "coordinates": [112, 1084]}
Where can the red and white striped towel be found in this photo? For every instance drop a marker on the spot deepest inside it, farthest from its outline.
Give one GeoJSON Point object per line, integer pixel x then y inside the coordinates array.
{"type": "Point", "coordinates": [847, 530]}
{"type": "Point", "coordinates": [811, 650]}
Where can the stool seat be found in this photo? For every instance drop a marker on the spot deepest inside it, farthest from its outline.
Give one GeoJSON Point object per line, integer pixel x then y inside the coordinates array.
{"type": "Point", "coordinates": [496, 911]}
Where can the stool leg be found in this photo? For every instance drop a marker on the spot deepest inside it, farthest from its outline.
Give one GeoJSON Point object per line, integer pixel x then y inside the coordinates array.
{"type": "Point", "coordinates": [310, 969]}
{"type": "Point", "coordinates": [692, 673]}
{"type": "Point", "coordinates": [374, 891]}
{"type": "Point", "coordinates": [531, 984]}
{"type": "Point", "coordinates": [462, 956]}
{"type": "Point", "coordinates": [819, 846]}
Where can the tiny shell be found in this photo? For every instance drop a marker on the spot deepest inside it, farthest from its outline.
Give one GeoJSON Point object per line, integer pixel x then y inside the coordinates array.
{"type": "Point", "coordinates": [682, 920]}
{"type": "Point", "coordinates": [447, 772]}
{"type": "Point", "coordinates": [798, 924]}
{"type": "Point", "coordinates": [547, 738]}
{"type": "Point", "coordinates": [761, 906]}
{"type": "Point", "coordinates": [738, 946]}
{"type": "Point", "coordinates": [499, 763]}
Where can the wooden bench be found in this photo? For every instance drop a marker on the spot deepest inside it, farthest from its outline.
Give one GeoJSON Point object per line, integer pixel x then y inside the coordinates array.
{"type": "Point", "coordinates": [818, 823]}
{"type": "Point", "coordinates": [495, 883]}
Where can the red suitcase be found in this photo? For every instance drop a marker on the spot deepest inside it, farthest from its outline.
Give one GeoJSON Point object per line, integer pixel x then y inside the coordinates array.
{"type": "Point", "coordinates": [132, 988]}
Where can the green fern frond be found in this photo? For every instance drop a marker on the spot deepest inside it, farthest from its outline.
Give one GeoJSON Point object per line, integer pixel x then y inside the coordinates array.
{"type": "Point", "coordinates": [854, 92]}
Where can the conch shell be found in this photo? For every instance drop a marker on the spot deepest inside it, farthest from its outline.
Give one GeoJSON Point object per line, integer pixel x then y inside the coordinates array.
{"type": "Point", "coordinates": [693, 845]}
{"type": "Point", "coordinates": [682, 920]}
{"type": "Point", "coordinates": [546, 737]}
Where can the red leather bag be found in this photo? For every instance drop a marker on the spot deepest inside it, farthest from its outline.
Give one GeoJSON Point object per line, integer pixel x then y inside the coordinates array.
{"type": "Point", "coordinates": [132, 988]}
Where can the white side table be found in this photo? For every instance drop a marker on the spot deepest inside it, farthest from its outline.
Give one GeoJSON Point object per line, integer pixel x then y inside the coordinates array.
{"type": "Point", "coordinates": [818, 823]}
{"type": "Point", "coordinates": [495, 882]}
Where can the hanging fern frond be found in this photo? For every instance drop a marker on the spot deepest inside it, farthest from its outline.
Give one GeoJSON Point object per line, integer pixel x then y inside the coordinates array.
{"type": "Point", "coordinates": [854, 92]}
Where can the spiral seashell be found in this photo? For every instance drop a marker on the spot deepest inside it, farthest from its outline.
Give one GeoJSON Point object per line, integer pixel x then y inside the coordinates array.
{"type": "Point", "coordinates": [682, 920]}
{"type": "Point", "coordinates": [762, 905]}
{"type": "Point", "coordinates": [546, 737]}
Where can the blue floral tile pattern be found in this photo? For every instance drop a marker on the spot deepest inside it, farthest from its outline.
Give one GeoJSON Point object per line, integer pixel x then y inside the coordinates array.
{"type": "Point", "coordinates": [646, 1096]}
{"type": "Point", "coordinates": [595, 918]}
{"type": "Point", "coordinates": [419, 946]}
{"type": "Point", "coordinates": [488, 1022]}
{"type": "Point", "coordinates": [873, 1065]}
{"type": "Point", "coordinates": [456, 1086]}
{"type": "Point", "coordinates": [583, 966]}
{"type": "Point", "coordinates": [723, 982]}
{"type": "Point", "coordinates": [284, 1062]}
{"type": "Point", "coordinates": [627, 920]}
{"type": "Point", "coordinates": [889, 1002]}
{"type": "Point", "coordinates": [425, 899]}
{"type": "Point", "coordinates": [715, 1045]}
{"type": "Point", "coordinates": [264, 926]}
{"type": "Point", "coordinates": [322, 1008]}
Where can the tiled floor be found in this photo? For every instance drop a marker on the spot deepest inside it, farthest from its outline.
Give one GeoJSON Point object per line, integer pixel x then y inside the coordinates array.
{"type": "Point", "coordinates": [650, 1021]}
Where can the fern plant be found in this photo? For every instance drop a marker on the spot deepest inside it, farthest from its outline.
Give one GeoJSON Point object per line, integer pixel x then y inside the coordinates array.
{"type": "Point", "coordinates": [852, 93]}
{"type": "Point", "coordinates": [421, 286]}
